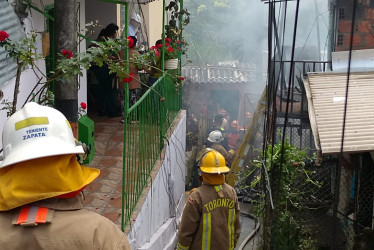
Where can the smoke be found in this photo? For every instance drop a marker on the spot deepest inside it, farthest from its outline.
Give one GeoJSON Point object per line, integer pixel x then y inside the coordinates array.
{"type": "Point", "coordinates": [237, 30]}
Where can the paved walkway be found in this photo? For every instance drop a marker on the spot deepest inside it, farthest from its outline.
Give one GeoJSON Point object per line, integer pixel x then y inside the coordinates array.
{"type": "Point", "coordinates": [104, 194]}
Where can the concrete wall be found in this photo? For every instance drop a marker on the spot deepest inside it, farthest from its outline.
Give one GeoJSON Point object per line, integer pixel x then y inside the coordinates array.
{"type": "Point", "coordinates": [155, 222]}
{"type": "Point", "coordinates": [153, 18]}
{"type": "Point", "coordinates": [36, 22]}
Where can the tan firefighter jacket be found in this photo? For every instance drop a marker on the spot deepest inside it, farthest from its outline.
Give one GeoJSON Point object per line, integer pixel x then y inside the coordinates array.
{"type": "Point", "coordinates": [211, 219]}
{"type": "Point", "coordinates": [67, 227]}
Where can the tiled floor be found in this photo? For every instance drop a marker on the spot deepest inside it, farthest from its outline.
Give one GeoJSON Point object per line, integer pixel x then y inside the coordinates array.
{"type": "Point", "coordinates": [104, 194]}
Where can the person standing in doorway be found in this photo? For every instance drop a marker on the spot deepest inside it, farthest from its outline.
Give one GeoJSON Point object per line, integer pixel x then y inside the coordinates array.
{"type": "Point", "coordinates": [211, 217]}
{"type": "Point", "coordinates": [134, 25]}
{"type": "Point", "coordinates": [107, 87]}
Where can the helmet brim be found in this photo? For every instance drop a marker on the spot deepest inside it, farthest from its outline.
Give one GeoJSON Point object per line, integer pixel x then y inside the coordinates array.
{"type": "Point", "coordinates": [31, 151]}
{"type": "Point", "coordinates": [217, 170]}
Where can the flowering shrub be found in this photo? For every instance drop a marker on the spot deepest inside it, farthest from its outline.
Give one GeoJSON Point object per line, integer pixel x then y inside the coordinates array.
{"type": "Point", "coordinates": [67, 53]}
{"type": "Point", "coordinates": [3, 36]}
{"type": "Point", "coordinates": [172, 49]}
{"type": "Point", "coordinates": [83, 105]}
{"type": "Point", "coordinates": [24, 53]}
{"type": "Point", "coordinates": [82, 109]}
{"type": "Point", "coordinates": [129, 78]}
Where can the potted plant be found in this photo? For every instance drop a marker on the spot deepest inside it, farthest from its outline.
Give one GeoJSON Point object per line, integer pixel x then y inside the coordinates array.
{"type": "Point", "coordinates": [174, 43]}
{"type": "Point", "coordinates": [172, 52]}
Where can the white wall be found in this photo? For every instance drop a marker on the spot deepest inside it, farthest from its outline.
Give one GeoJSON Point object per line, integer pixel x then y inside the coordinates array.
{"type": "Point", "coordinates": [82, 81]}
{"type": "Point", "coordinates": [153, 18]}
{"type": "Point", "coordinates": [156, 224]}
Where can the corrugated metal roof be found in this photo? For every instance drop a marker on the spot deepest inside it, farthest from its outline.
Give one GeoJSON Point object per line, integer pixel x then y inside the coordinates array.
{"type": "Point", "coordinates": [218, 74]}
{"type": "Point", "coordinates": [326, 100]}
{"type": "Point", "coordinates": [11, 24]}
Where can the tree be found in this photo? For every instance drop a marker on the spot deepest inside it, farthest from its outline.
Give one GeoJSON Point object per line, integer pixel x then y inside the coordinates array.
{"type": "Point", "coordinates": [66, 91]}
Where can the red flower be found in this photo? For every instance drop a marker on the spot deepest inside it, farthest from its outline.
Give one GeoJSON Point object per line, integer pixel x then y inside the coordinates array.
{"type": "Point", "coordinates": [3, 36]}
{"type": "Point", "coordinates": [168, 40]}
{"type": "Point", "coordinates": [128, 79]}
{"type": "Point", "coordinates": [157, 53]}
{"type": "Point", "coordinates": [67, 53]}
{"type": "Point", "coordinates": [182, 78]}
{"type": "Point", "coordinates": [162, 99]}
{"type": "Point", "coordinates": [170, 49]}
{"type": "Point", "coordinates": [153, 47]}
{"type": "Point", "coordinates": [178, 41]}
{"type": "Point", "coordinates": [83, 105]}
{"type": "Point", "coordinates": [167, 44]}
{"type": "Point", "coordinates": [130, 42]}
{"type": "Point", "coordinates": [159, 45]}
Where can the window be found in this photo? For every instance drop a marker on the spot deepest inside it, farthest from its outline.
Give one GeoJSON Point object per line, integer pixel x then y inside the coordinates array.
{"type": "Point", "coordinates": [341, 13]}
{"type": "Point", "coordinates": [340, 39]}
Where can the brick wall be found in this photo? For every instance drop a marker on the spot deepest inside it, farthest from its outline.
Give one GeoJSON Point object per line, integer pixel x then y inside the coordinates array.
{"type": "Point", "coordinates": [363, 33]}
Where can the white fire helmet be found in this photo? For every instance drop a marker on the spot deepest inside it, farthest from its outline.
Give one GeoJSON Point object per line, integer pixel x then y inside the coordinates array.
{"type": "Point", "coordinates": [37, 131]}
{"type": "Point", "coordinates": [136, 17]}
{"type": "Point", "coordinates": [215, 136]}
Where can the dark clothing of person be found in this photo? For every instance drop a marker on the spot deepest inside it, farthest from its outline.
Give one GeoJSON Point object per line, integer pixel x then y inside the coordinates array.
{"type": "Point", "coordinates": [107, 91]}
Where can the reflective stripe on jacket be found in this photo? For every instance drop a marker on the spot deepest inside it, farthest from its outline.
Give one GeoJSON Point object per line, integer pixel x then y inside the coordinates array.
{"type": "Point", "coordinates": [71, 228]}
{"type": "Point", "coordinates": [210, 221]}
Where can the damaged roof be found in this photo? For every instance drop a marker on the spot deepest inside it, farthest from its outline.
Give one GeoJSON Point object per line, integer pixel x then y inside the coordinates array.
{"type": "Point", "coordinates": [326, 94]}
{"type": "Point", "coordinates": [219, 74]}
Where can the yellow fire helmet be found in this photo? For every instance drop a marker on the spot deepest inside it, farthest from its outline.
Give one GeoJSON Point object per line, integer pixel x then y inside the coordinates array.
{"type": "Point", "coordinates": [37, 131]}
{"type": "Point", "coordinates": [213, 162]}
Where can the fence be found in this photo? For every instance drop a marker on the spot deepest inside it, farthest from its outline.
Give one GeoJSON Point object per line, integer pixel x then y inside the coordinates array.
{"type": "Point", "coordinates": [324, 207]}
{"type": "Point", "coordinates": [145, 128]}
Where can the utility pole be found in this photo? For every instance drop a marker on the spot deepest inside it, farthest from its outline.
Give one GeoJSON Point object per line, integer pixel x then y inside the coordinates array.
{"type": "Point", "coordinates": [66, 92]}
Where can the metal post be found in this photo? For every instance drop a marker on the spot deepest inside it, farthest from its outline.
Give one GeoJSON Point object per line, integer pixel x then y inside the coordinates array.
{"type": "Point", "coordinates": [126, 109]}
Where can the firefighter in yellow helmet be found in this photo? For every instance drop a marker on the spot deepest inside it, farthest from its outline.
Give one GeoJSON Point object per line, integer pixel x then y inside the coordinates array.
{"type": "Point", "coordinates": [41, 204]}
{"type": "Point", "coordinates": [211, 217]}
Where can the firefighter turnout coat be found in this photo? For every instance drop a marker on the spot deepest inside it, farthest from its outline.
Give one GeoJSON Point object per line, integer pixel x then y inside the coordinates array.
{"type": "Point", "coordinates": [211, 219]}
{"type": "Point", "coordinates": [61, 224]}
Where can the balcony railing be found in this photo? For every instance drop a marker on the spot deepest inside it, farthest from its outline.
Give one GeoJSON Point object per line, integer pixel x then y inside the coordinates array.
{"type": "Point", "coordinates": [145, 128]}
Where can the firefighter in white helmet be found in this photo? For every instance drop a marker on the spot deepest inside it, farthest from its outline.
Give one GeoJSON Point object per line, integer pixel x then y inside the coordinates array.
{"type": "Point", "coordinates": [211, 217]}
{"type": "Point", "coordinates": [214, 141]}
{"type": "Point", "coordinates": [41, 204]}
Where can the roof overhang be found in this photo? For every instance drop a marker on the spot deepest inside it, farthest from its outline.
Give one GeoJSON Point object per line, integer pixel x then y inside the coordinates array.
{"type": "Point", "coordinates": [326, 95]}
{"type": "Point", "coordinates": [218, 74]}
